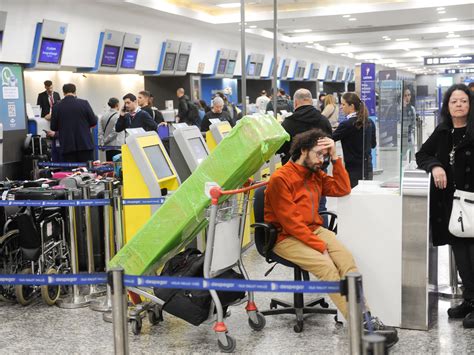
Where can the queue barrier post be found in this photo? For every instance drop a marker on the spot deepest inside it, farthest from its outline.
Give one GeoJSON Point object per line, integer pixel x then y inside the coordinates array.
{"type": "Point", "coordinates": [115, 279]}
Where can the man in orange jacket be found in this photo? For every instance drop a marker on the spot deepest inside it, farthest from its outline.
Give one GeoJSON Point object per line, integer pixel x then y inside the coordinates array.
{"type": "Point", "coordinates": [291, 205]}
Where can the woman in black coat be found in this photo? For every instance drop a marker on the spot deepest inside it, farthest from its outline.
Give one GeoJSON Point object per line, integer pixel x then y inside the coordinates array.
{"type": "Point", "coordinates": [448, 154]}
{"type": "Point", "coordinates": [357, 136]}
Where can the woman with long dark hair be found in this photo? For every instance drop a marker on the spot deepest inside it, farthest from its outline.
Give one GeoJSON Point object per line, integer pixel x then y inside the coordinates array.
{"type": "Point", "coordinates": [357, 136]}
{"type": "Point", "coordinates": [448, 154]}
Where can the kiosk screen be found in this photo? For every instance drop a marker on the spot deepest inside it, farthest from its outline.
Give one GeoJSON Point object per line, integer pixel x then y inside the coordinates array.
{"type": "Point", "coordinates": [50, 50]}
{"type": "Point", "coordinates": [110, 56]}
{"type": "Point", "coordinates": [329, 74]}
{"type": "Point", "coordinates": [158, 161]}
{"type": "Point", "coordinates": [230, 67]}
{"type": "Point", "coordinates": [183, 62]}
{"type": "Point", "coordinates": [198, 149]}
{"type": "Point", "coordinates": [221, 66]}
{"type": "Point", "coordinates": [170, 59]}
{"type": "Point", "coordinates": [285, 71]}
{"type": "Point", "coordinates": [129, 58]}
{"type": "Point", "coordinates": [251, 70]}
{"type": "Point", "coordinates": [258, 69]}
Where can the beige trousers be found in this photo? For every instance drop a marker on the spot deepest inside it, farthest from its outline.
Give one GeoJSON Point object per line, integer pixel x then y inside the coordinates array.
{"type": "Point", "coordinates": [334, 268]}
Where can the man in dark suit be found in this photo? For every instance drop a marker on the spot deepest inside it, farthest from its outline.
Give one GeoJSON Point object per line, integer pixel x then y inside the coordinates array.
{"type": "Point", "coordinates": [72, 119]}
{"type": "Point", "coordinates": [132, 116]}
{"type": "Point", "coordinates": [47, 99]}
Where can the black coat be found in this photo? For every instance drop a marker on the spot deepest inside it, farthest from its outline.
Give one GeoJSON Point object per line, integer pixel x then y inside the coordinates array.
{"type": "Point", "coordinates": [303, 119]}
{"type": "Point", "coordinates": [435, 152]}
{"type": "Point", "coordinates": [352, 139]}
{"type": "Point", "coordinates": [223, 116]}
{"type": "Point", "coordinates": [43, 102]}
{"type": "Point", "coordinates": [73, 119]}
{"type": "Point", "coordinates": [142, 119]}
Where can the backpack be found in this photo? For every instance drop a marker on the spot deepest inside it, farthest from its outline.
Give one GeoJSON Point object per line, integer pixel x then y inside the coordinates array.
{"type": "Point", "coordinates": [193, 306]}
{"type": "Point", "coordinates": [192, 114]}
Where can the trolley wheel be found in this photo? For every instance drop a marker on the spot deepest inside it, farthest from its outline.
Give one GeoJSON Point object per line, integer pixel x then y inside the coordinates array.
{"type": "Point", "coordinates": [324, 304]}
{"type": "Point", "coordinates": [261, 322]}
{"type": "Point", "coordinates": [155, 317]}
{"type": "Point", "coordinates": [50, 293]}
{"type": "Point", "coordinates": [230, 347]}
{"type": "Point", "coordinates": [273, 305]}
{"type": "Point", "coordinates": [339, 324]}
{"type": "Point", "coordinates": [298, 328]}
{"type": "Point", "coordinates": [25, 293]}
{"type": "Point", "coordinates": [136, 326]}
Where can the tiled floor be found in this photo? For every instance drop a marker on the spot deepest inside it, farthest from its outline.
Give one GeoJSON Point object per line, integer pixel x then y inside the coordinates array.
{"type": "Point", "coordinates": [39, 329]}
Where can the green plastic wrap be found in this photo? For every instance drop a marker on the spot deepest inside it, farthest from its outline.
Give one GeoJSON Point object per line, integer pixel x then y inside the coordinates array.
{"type": "Point", "coordinates": [254, 140]}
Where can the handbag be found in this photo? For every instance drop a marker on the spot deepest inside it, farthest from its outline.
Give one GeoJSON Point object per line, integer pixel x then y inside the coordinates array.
{"type": "Point", "coordinates": [461, 222]}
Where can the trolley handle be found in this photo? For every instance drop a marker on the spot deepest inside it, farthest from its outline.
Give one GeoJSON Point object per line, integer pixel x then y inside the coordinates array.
{"type": "Point", "coordinates": [216, 192]}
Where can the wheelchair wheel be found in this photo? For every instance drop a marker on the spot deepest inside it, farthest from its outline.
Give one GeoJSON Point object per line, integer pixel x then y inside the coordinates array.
{"type": "Point", "coordinates": [25, 293]}
{"type": "Point", "coordinates": [50, 293]}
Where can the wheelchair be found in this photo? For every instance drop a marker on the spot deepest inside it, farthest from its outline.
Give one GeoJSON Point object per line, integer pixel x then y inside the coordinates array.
{"type": "Point", "coordinates": [11, 260]}
{"type": "Point", "coordinates": [43, 248]}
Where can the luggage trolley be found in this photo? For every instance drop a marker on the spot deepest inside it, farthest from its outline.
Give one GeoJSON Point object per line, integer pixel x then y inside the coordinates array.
{"type": "Point", "coordinates": [227, 218]}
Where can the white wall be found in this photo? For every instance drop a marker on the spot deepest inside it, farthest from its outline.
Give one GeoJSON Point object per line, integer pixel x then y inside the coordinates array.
{"type": "Point", "coordinates": [96, 88]}
{"type": "Point", "coordinates": [87, 19]}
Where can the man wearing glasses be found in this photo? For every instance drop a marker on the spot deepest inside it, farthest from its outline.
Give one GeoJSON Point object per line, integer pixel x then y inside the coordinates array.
{"type": "Point", "coordinates": [291, 205]}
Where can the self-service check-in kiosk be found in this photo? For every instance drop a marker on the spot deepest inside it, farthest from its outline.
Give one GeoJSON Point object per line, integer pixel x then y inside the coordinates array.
{"type": "Point", "coordinates": [48, 45]}
{"type": "Point", "coordinates": [187, 149]}
{"type": "Point", "coordinates": [217, 131]}
{"type": "Point", "coordinates": [147, 169]}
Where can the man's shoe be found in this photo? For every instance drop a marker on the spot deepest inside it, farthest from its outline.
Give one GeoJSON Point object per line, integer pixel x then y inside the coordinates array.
{"type": "Point", "coordinates": [468, 322]}
{"type": "Point", "coordinates": [461, 310]}
{"type": "Point", "coordinates": [374, 324]}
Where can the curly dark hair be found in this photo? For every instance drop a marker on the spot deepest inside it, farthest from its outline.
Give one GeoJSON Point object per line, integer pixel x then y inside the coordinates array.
{"type": "Point", "coordinates": [305, 141]}
{"type": "Point", "coordinates": [446, 116]}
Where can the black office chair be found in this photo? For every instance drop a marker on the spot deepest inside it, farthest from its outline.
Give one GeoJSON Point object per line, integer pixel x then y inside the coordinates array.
{"type": "Point", "coordinates": [265, 239]}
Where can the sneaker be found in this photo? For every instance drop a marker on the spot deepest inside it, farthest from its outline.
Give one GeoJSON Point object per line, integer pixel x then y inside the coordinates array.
{"type": "Point", "coordinates": [461, 310]}
{"type": "Point", "coordinates": [374, 324]}
{"type": "Point", "coordinates": [468, 322]}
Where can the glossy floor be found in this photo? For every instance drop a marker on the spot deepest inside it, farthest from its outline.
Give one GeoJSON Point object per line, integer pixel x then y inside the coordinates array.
{"type": "Point", "coordinates": [39, 329]}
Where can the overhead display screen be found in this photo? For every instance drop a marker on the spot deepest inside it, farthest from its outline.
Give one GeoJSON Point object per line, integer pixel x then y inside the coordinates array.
{"type": "Point", "coordinates": [258, 69]}
{"type": "Point", "coordinates": [170, 59]}
{"type": "Point", "coordinates": [285, 71]}
{"type": "Point", "coordinates": [158, 161]}
{"type": "Point", "coordinates": [50, 50]}
{"type": "Point", "coordinates": [251, 70]}
{"type": "Point", "coordinates": [129, 58]}
{"type": "Point", "coordinates": [110, 56]}
{"type": "Point", "coordinates": [230, 67]}
{"type": "Point", "coordinates": [183, 62]}
{"type": "Point", "coordinates": [198, 149]}
{"type": "Point", "coordinates": [221, 66]}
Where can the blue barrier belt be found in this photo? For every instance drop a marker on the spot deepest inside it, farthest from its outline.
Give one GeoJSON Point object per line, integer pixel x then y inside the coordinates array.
{"type": "Point", "coordinates": [143, 201]}
{"type": "Point", "coordinates": [56, 203]}
{"type": "Point", "coordinates": [109, 147]}
{"type": "Point", "coordinates": [52, 164]}
{"type": "Point", "coordinates": [177, 282]}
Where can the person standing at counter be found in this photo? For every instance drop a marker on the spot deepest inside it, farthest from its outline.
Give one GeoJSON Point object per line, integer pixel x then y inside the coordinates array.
{"type": "Point", "coordinates": [47, 99]}
{"type": "Point", "coordinates": [73, 119]}
{"type": "Point", "coordinates": [187, 111]}
{"type": "Point", "coordinates": [357, 136]}
{"type": "Point", "coordinates": [132, 116]}
{"type": "Point", "coordinates": [107, 134]}
{"type": "Point", "coordinates": [217, 111]}
{"type": "Point", "coordinates": [331, 110]}
{"type": "Point", "coordinates": [448, 154]}
{"type": "Point", "coordinates": [145, 101]}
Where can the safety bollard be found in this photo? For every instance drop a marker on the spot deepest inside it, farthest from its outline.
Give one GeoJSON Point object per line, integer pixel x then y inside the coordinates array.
{"type": "Point", "coordinates": [119, 310]}
{"type": "Point", "coordinates": [105, 305]}
{"type": "Point", "coordinates": [374, 344]}
{"type": "Point", "coordinates": [118, 225]}
{"type": "Point", "coordinates": [74, 300]}
{"type": "Point", "coordinates": [94, 290]}
{"type": "Point", "coordinates": [353, 285]}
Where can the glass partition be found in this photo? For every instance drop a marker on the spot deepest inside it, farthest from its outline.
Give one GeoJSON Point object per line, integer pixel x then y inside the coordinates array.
{"type": "Point", "coordinates": [408, 146]}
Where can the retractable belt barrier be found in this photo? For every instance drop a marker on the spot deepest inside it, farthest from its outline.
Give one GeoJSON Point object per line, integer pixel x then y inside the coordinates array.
{"type": "Point", "coordinates": [109, 147]}
{"type": "Point", "coordinates": [80, 203]}
{"type": "Point", "coordinates": [53, 164]}
{"type": "Point", "coordinates": [177, 282]}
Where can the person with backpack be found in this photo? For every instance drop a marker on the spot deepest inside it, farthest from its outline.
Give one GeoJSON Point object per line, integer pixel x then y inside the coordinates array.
{"type": "Point", "coordinates": [187, 110]}
{"type": "Point", "coordinates": [107, 134]}
{"type": "Point", "coordinates": [145, 101]}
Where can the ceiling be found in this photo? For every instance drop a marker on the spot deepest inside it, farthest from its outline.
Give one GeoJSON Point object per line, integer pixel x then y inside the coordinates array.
{"type": "Point", "coordinates": [393, 33]}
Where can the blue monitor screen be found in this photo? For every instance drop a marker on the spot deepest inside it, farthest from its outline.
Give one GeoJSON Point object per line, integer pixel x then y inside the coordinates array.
{"type": "Point", "coordinates": [230, 67]}
{"type": "Point", "coordinates": [129, 58]}
{"type": "Point", "coordinates": [251, 69]}
{"type": "Point", "coordinates": [182, 62]}
{"type": "Point", "coordinates": [110, 56]}
{"type": "Point", "coordinates": [258, 69]}
{"type": "Point", "coordinates": [170, 59]}
{"type": "Point", "coordinates": [222, 65]}
{"type": "Point", "coordinates": [50, 50]}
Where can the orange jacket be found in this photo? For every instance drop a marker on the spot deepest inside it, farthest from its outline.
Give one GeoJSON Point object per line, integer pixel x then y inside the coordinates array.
{"type": "Point", "coordinates": [292, 200]}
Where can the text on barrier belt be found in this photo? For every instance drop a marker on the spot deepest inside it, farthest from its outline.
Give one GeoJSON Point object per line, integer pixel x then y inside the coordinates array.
{"type": "Point", "coordinates": [79, 203]}
{"type": "Point", "coordinates": [53, 164]}
{"type": "Point", "coordinates": [177, 282]}
{"type": "Point", "coordinates": [109, 147]}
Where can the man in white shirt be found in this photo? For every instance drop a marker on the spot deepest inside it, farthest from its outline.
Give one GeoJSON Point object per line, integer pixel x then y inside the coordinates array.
{"type": "Point", "coordinates": [262, 101]}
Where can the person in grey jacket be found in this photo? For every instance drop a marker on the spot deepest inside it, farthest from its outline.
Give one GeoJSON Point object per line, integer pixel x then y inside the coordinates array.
{"type": "Point", "coordinates": [107, 134]}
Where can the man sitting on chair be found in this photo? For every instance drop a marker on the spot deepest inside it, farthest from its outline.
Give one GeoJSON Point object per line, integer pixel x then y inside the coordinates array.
{"type": "Point", "coordinates": [291, 202]}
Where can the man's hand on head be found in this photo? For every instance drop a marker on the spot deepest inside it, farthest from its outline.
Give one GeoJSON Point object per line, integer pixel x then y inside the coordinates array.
{"type": "Point", "coordinates": [330, 145]}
